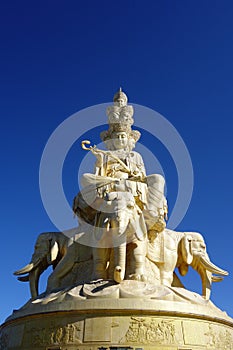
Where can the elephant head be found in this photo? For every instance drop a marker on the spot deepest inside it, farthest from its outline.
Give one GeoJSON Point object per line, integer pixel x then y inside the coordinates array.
{"type": "Point", "coordinates": [50, 247]}
{"type": "Point", "coordinates": [192, 252]}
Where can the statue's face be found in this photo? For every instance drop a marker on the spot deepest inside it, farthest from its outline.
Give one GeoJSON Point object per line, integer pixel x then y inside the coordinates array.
{"type": "Point", "coordinates": [120, 140]}
{"type": "Point", "coordinates": [120, 102]}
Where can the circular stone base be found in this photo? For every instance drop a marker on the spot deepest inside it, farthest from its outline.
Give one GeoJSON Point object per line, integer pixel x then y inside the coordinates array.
{"type": "Point", "coordinates": [116, 320]}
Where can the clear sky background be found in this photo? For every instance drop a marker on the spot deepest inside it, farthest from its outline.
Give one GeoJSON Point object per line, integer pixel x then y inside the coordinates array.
{"type": "Point", "coordinates": [59, 57]}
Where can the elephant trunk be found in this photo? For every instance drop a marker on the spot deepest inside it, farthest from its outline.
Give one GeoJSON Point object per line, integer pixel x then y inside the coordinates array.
{"type": "Point", "coordinates": [206, 278]}
{"type": "Point", "coordinates": [34, 277]}
{"type": "Point", "coordinates": [120, 262]}
{"type": "Point", "coordinates": [34, 282]}
{"type": "Point", "coordinates": [33, 271]}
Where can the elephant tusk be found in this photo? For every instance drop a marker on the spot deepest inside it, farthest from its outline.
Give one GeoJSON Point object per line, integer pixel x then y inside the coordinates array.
{"type": "Point", "coordinates": [118, 274]}
{"type": "Point", "coordinates": [23, 278]}
{"type": "Point", "coordinates": [216, 278]}
{"type": "Point", "coordinates": [208, 265]}
{"type": "Point", "coordinates": [24, 270]}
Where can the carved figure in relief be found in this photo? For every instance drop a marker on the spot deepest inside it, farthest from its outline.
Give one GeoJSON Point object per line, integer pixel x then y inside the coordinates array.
{"type": "Point", "coordinates": [219, 339]}
{"type": "Point", "coordinates": [54, 335]}
{"type": "Point", "coordinates": [149, 332]}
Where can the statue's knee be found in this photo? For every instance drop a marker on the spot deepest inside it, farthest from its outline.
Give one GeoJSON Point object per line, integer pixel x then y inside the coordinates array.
{"type": "Point", "coordinates": [157, 181]}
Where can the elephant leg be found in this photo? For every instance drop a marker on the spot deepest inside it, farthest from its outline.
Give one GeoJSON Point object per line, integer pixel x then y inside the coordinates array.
{"type": "Point", "coordinates": [62, 269]}
{"type": "Point", "coordinates": [166, 277]}
{"type": "Point", "coordinates": [120, 262]}
{"type": "Point", "coordinates": [100, 259]}
{"type": "Point", "coordinates": [167, 267]}
{"type": "Point", "coordinates": [206, 284]}
{"type": "Point", "coordinates": [138, 261]}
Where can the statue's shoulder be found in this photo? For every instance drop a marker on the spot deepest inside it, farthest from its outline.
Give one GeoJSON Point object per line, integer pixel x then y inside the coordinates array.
{"type": "Point", "coordinates": [135, 155]}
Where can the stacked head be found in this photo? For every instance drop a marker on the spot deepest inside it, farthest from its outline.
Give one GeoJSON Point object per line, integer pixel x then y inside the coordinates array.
{"type": "Point", "coordinates": [120, 120]}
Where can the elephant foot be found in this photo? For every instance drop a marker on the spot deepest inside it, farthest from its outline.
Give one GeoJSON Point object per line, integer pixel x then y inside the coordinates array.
{"type": "Point", "coordinates": [138, 277]}
{"type": "Point", "coordinates": [118, 274]}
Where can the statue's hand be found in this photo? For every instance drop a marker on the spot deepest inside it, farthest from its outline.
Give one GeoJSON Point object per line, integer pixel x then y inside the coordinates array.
{"type": "Point", "coordinates": [137, 176]}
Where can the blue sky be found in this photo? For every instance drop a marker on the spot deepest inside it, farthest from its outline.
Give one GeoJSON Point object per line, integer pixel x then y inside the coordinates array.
{"type": "Point", "coordinates": [57, 57]}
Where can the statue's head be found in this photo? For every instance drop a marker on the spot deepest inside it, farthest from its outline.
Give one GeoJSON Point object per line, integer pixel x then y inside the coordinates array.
{"type": "Point", "coordinates": [120, 140]}
{"type": "Point", "coordinates": [120, 112]}
{"type": "Point", "coordinates": [120, 99]}
{"type": "Point", "coordinates": [120, 119]}
{"type": "Point", "coordinates": [120, 136]}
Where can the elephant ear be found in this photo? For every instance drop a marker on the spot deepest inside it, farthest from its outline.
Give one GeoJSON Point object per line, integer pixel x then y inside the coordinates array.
{"type": "Point", "coordinates": [186, 249]}
{"type": "Point", "coordinates": [53, 253]}
{"type": "Point", "coordinates": [183, 269]}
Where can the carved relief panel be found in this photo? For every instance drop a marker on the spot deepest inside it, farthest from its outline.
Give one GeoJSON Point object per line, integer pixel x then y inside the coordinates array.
{"type": "Point", "coordinates": [219, 338]}
{"type": "Point", "coordinates": [151, 331]}
{"type": "Point", "coordinates": [55, 334]}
